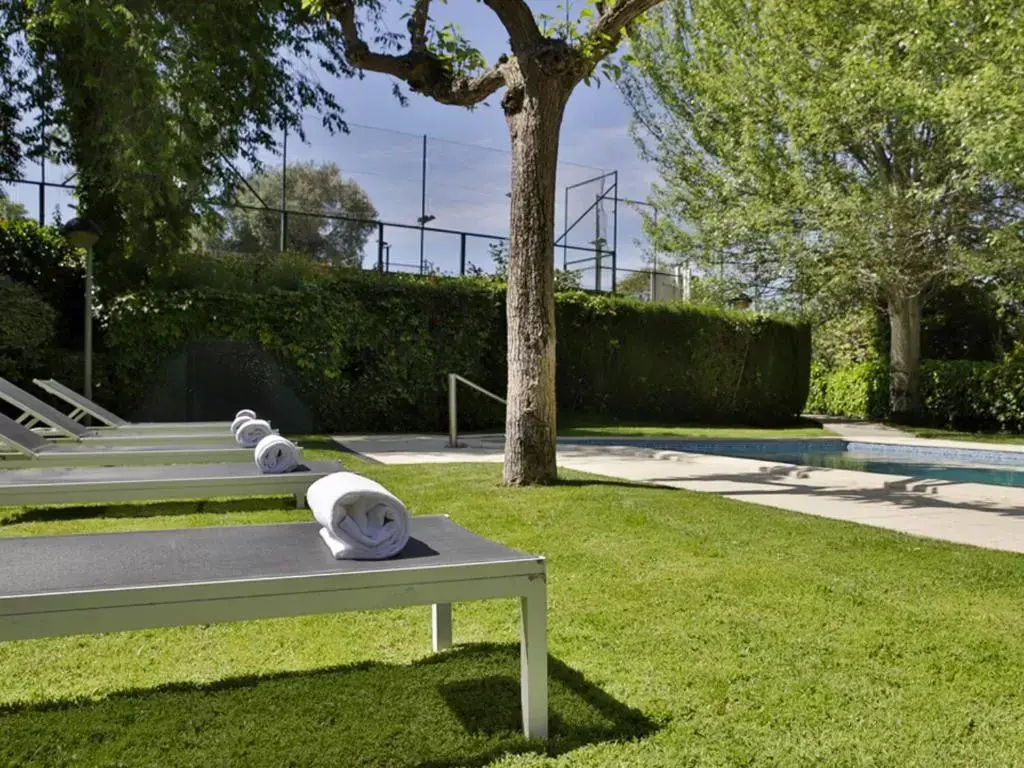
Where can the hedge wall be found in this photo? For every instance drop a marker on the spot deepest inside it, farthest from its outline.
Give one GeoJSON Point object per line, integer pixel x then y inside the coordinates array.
{"type": "Point", "coordinates": [371, 352]}
{"type": "Point", "coordinates": [955, 394]}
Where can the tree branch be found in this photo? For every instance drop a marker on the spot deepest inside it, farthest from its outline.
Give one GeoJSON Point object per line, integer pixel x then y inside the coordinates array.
{"type": "Point", "coordinates": [606, 33]}
{"type": "Point", "coordinates": [423, 71]}
{"type": "Point", "coordinates": [418, 25]}
{"type": "Point", "coordinates": [518, 20]}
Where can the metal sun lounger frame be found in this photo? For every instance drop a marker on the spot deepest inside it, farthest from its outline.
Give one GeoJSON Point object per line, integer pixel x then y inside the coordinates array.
{"type": "Point", "coordinates": [438, 574]}
{"type": "Point", "coordinates": [29, 449]}
{"type": "Point", "coordinates": [34, 411]}
{"type": "Point", "coordinates": [113, 485]}
{"type": "Point", "coordinates": [83, 406]}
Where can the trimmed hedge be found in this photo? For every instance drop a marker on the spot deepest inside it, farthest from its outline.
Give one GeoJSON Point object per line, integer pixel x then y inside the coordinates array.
{"type": "Point", "coordinates": [371, 352]}
{"type": "Point", "coordinates": [966, 395]}
{"type": "Point", "coordinates": [859, 391]}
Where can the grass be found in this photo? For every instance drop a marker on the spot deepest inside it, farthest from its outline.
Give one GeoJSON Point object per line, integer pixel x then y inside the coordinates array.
{"type": "Point", "coordinates": [950, 434]}
{"type": "Point", "coordinates": [685, 630]}
{"type": "Point", "coordinates": [803, 429]}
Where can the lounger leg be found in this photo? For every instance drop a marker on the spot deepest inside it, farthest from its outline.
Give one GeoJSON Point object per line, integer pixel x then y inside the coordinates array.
{"type": "Point", "coordinates": [442, 621]}
{"type": "Point", "coordinates": [533, 654]}
{"type": "Point", "coordinates": [300, 500]}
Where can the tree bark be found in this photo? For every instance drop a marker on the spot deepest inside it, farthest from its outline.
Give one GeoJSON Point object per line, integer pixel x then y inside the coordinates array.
{"type": "Point", "coordinates": [534, 115]}
{"type": "Point", "coordinates": [905, 356]}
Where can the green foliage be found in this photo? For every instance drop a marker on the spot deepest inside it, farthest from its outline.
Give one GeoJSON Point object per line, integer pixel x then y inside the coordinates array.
{"type": "Point", "coordinates": [310, 188]}
{"type": "Point", "coordinates": [152, 101]}
{"type": "Point", "coordinates": [371, 352]}
{"type": "Point", "coordinates": [859, 391]}
{"type": "Point", "coordinates": [565, 279]}
{"type": "Point", "coordinates": [227, 271]}
{"type": "Point", "coordinates": [26, 332]}
{"type": "Point", "coordinates": [973, 395]}
{"type": "Point", "coordinates": [824, 148]}
{"type": "Point", "coordinates": [41, 259]}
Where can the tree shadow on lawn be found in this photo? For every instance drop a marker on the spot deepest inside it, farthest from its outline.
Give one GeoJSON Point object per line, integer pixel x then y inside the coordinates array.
{"type": "Point", "coordinates": [460, 708]}
{"type": "Point", "coordinates": [140, 510]}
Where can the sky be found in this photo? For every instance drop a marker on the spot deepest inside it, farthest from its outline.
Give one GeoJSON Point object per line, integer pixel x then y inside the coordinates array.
{"type": "Point", "coordinates": [467, 156]}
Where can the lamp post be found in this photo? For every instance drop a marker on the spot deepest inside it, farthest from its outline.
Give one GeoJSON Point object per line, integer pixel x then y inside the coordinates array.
{"type": "Point", "coordinates": [82, 233]}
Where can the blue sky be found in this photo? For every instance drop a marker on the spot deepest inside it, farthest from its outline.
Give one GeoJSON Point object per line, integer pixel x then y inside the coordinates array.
{"type": "Point", "coordinates": [467, 154]}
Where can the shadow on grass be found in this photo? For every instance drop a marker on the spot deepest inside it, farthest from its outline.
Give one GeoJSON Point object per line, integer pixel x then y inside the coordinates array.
{"type": "Point", "coordinates": [155, 509]}
{"type": "Point", "coordinates": [460, 708]}
{"type": "Point", "coordinates": [587, 482]}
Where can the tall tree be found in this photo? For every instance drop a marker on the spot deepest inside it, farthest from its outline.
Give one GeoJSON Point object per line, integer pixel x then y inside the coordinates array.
{"type": "Point", "coordinates": [340, 221]}
{"type": "Point", "coordinates": [151, 100]}
{"type": "Point", "coordinates": [830, 134]}
{"type": "Point", "coordinates": [538, 75]}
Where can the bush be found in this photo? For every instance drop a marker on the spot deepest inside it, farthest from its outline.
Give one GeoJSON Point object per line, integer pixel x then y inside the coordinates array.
{"type": "Point", "coordinates": [206, 270]}
{"type": "Point", "coordinates": [858, 391]}
{"type": "Point", "coordinates": [40, 258]}
{"type": "Point", "coordinates": [969, 395]}
{"type": "Point", "coordinates": [26, 333]}
{"type": "Point", "coordinates": [371, 352]}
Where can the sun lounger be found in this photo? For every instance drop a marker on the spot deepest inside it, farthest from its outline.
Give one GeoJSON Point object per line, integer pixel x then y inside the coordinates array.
{"type": "Point", "coordinates": [65, 585]}
{"type": "Point", "coordinates": [25, 448]}
{"type": "Point", "coordinates": [83, 406]}
{"type": "Point", "coordinates": [109, 485]}
{"type": "Point", "coordinates": [59, 425]}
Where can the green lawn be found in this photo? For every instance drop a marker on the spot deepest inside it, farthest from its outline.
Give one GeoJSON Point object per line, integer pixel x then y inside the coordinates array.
{"type": "Point", "coordinates": [950, 434]}
{"type": "Point", "coordinates": [685, 630]}
{"type": "Point", "coordinates": [805, 429]}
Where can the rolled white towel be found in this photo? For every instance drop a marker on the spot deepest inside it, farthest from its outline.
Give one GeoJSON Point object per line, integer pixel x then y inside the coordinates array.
{"type": "Point", "coordinates": [252, 431]}
{"type": "Point", "coordinates": [238, 422]}
{"type": "Point", "coordinates": [276, 455]}
{"type": "Point", "coordinates": [361, 519]}
{"type": "Point", "coordinates": [247, 413]}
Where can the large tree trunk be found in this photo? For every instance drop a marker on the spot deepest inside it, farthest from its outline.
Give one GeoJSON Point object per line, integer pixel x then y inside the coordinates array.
{"type": "Point", "coordinates": [905, 356]}
{"type": "Point", "coordinates": [534, 115]}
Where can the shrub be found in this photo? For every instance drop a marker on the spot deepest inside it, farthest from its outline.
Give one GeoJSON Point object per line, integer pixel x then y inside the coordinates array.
{"type": "Point", "coordinates": [39, 257]}
{"type": "Point", "coordinates": [970, 395]}
{"type": "Point", "coordinates": [26, 333]}
{"type": "Point", "coordinates": [371, 352]}
{"type": "Point", "coordinates": [859, 391]}
{"type": "Point", "coordinates": [209, 270]}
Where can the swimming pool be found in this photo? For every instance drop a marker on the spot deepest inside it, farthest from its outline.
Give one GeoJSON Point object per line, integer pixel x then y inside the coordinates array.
{"type": "Point", "coordinates": [959, 465]}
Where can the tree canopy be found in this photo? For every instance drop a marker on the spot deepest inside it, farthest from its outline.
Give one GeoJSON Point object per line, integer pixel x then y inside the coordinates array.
{"type": "Point", "coordinates": [314, 189]}
{"type": "Point", "coordinates": [827, 142]}
{"type": "Point", "coordinates": [151, 101]}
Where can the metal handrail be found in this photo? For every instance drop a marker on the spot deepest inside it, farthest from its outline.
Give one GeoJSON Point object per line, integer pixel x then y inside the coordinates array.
{"type": "Point", "coordinates": [453, 419]}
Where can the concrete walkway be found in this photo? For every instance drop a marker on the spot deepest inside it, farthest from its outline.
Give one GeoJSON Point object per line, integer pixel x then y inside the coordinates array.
{"type": "Point", "coordinates": [967, 513]}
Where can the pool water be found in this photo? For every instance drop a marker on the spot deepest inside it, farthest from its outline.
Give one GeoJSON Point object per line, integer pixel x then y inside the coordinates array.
{"type": "Point", "coordinates": [924, 468]}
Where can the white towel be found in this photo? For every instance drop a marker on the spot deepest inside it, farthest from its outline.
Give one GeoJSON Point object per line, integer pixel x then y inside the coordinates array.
{"type": "Point", "coordinates": [252, 431]}
{"type": "Point", "coordinates": [276, 455]}
{"type": "Point", "coordinates": [361, 519]}
{"type": "Point", "coordinates": [247, 413]}
{"type": "Point", "coordinates": [238, 422]}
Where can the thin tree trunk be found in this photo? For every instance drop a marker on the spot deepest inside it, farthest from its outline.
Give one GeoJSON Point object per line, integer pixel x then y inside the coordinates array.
{"type": "Point", "coordinates": [534, 117]}
{"type": "Point", "coordinates": [905, 356]}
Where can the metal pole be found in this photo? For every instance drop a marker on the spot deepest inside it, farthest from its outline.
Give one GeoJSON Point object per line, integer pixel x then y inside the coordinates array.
{"type": "Point", "coordinates": [284, 179]}
{"type": "Point", "coordinates": [653, 256]}
{"type": "Point", "coordinates": [88, 323]}
{"type": "Point", "coordinates": [380, 246]}
{"type": "Point", "coordinates": [453, 420]}
{"type": "Point", "coordinates": [42, 193]}
{"type": "Point", "coordinates": [462, 254]}
{"type": "Point", "coordinates": [597, 242]}
{"type": "Point", "coordinates": [565, 232]}
{"type": "Point", "coordinates": [423, 199]}
{"type": "Point", "coordinates": [615, 229]}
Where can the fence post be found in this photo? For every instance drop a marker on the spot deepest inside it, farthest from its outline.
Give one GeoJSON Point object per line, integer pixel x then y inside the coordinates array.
{"type": "Point", "coordinates": [380, 246]}
{"type": "Point", "coordinates": [462, 254]}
